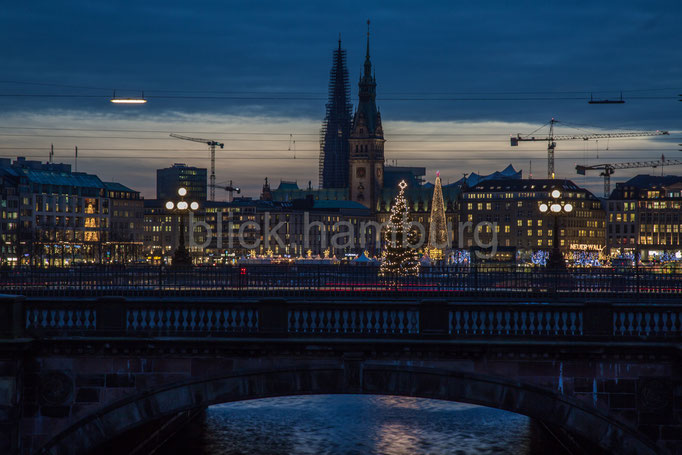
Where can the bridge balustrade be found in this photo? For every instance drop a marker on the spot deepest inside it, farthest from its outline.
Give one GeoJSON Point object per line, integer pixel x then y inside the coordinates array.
{"type": "Point", "coordinates": [409, 318]}
{"type": "Point", "coordinates": [558, 321]}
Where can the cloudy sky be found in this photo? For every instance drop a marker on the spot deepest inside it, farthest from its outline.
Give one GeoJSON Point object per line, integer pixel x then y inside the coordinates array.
{"type": "Point", "coordinates": [455, 79]}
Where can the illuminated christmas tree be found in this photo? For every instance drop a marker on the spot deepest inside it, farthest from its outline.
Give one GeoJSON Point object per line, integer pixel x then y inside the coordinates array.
{"type": "Point", "coordinates": [400, 258]}
{"type": "Point", "coordinates": [438, 228]}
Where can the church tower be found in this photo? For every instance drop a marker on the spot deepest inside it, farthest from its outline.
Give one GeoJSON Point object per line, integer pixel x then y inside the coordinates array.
{"type": "Point", "coordinates": [366, 141]}
{"type": "Point", "coordinates": [336, 127]}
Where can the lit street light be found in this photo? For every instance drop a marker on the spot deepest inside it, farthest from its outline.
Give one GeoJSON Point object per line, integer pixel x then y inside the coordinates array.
{"type": "Point", "coordinates": [557, 207]}
{"type": "Point", "coordinates": [117, 100]}
{"type": "Point", "coordinates": [181, 257]}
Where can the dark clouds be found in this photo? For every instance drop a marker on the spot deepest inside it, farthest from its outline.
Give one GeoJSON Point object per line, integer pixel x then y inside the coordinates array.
{"type": "Point", "coordinates": [278, 54]}
{"type": "Point", "coordinates": [273, 46]}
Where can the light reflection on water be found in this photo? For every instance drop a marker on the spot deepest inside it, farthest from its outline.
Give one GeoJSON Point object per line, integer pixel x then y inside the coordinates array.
{"type": "Point", "coordinates": [358, 424]}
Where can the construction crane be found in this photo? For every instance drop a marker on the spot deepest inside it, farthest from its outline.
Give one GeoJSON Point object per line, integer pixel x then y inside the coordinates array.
{"type": "Point", "coordinates": [607, 169]}
{"type": "Point", "coordinates": [230, 188]}
{"type": "Point", "coordinates": [212, 145]}
{"type": "Point", "coordinates": [292, 144]}
{"type": "Point", "coordinates": [551, 140]}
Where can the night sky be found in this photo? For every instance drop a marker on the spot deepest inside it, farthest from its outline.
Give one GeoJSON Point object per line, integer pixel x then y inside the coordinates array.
{"type": "Point", "coordinates": [455, 79]}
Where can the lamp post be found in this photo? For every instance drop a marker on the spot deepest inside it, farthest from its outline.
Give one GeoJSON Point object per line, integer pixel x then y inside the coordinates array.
{"type": "Point", "coordinates": [557, 207]}
{"type": "Point", "coordinates": [181, 257]}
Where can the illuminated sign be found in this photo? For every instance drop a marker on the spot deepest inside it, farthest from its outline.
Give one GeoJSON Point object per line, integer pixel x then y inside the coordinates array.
{"type": "Point", "coordinates": [585, 247]}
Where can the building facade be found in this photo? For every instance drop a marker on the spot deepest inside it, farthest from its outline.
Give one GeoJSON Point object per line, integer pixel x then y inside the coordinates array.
{"type": "Point", "coordinates": [63, 215]}
{"type": "Point", "coordinates": [126, 224]}
{"type": "Point", "coordinates": [52, 217]}
{"type": "Point", "coordinates": [644, 217]}
{"type": "Point", "coordinates": [10, 250]}
{"type": "Point", "coordinates": [169, 179]}
{"type": "Point", "coordinates": [220, 232]}
{"type": "Point", "coordinates": [506, 212]}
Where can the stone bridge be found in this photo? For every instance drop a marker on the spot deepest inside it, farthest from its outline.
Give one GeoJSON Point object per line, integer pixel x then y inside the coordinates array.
{"type": "Point", "coordinates": [78, 373]}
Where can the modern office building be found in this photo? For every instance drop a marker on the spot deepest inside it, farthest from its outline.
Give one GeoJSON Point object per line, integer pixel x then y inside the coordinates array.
{"type": "Point", "coordinates": [179, 175]}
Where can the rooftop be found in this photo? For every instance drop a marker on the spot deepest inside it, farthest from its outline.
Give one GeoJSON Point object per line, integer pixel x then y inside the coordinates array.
{"type": "Point", "coordinates": [115, 186]}
{"type": "Point", "coordinates": [643, 181]}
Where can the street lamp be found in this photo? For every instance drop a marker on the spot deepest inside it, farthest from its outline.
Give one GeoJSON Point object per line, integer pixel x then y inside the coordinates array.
{"type": "Point", "coordinates": [181, 257]}
{"type": "Point", "coordinates": [557, 207]}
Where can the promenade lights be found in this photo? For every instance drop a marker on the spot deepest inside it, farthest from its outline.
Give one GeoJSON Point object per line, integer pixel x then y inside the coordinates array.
{"type": "Point", "coordinates": [181, 256]}
{"type": "Point", "coordinates": [557, 207]}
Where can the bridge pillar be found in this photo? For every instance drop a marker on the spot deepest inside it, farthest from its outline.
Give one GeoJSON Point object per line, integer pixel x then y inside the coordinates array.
{"type": "Point", "coordinates": [11, 316]}
{"type": "Point", "coordinates": [11, 365]}
{"type": "Point", "coordinates": [352, 371]}
{"type": "Point", "coordinates": [273, 317]}
{"type": "Point", "coordinates": [111, 315]}
{"type": "Point", "coordinates": [434, 317]}
{"type": "Point", "coordinates": [598, 318]}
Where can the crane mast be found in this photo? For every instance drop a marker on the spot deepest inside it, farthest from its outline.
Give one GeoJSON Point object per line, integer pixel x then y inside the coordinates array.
{"type": "Point", "coordinates": [552, 138]}
{"type": "Point", "coordinates": [212, 145]}
{"type": "Point", "coordinates": [607, 169]}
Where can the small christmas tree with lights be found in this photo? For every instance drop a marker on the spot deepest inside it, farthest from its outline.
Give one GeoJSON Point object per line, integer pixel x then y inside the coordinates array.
{"type": "Point", "coordinates": [400, 258]}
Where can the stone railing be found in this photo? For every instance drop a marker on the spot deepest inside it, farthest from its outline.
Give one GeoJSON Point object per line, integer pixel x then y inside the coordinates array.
{"type": "Point", "coordinates": [409, 319]}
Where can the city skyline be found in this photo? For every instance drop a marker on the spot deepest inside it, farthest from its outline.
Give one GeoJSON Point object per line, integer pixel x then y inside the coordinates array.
{"type": "Point", "coordinates": [341, 227]}
{"type": "Point", "coordinates": [429, 116]}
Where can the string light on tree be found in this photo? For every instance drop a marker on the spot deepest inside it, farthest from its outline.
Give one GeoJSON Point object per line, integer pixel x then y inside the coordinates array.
{"type": "Point", "coordinates": [400, 258]}
{"type": "Point", "coordinates": [438, 229]}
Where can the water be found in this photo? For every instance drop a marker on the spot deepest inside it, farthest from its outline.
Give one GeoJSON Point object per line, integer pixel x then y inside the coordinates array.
{"type": "Point", "coordinates": [359, 424]}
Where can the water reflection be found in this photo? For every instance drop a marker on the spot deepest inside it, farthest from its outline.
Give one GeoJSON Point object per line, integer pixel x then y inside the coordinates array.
{"type": "Point", "coordinates": [358, 424]}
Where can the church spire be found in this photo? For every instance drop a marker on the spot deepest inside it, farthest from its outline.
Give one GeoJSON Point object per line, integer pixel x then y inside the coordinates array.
{"type": "Point", "coordinates": [368, 63]}
{"type": "Point", "coordinates": [334, 148]}
{"type": "Point", "coordinates": [366, 163]}
{"type": "Point", "coordinates": [367, 54]}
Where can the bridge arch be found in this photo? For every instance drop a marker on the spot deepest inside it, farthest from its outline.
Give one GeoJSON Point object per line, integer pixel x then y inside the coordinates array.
{"type": "Point", "coordinates": [545, 405]}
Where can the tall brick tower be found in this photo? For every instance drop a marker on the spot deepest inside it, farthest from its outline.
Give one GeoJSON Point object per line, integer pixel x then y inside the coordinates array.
{"type": "Point", "coordinates": [366, 143]}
